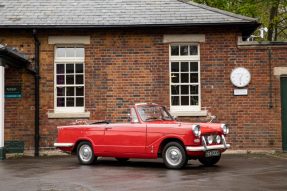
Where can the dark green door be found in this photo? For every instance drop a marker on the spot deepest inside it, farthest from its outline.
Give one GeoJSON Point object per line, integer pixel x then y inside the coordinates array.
{"type": "Point", "coordinates": [284, 111]}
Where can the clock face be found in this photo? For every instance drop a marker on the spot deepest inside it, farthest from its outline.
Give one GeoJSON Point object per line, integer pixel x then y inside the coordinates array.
{"type": "Point", "coordinates": [240, 77]}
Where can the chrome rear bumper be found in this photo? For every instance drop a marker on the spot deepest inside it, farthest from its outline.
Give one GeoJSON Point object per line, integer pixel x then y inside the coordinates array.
{"type": "Point", "coordinates": [63, 144]}
{"type": "Point", "coordinates": [205, 147]}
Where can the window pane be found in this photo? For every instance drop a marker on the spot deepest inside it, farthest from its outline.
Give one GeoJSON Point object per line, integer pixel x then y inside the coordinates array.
{"type": "Point", "coordinates": [174, 78]}
{"type": "Point", "coordinates": [193, 89]}
{"type": "Point", "coordinates": [79, 91]}
{"type": "Point", "coordinates": [70, 91]}
{"type": "Point", "coordinates": [60, 102]}
{"type": "Point", "coordinates": [79, 102]}
{"type": "Point", "coordinates": [174, 90]}
{"type": "Point", "coordinates": [194, 78]}
{"type": "Point", "coordinates": [79, 68]}
{"type": "Point", "coordinates": [184, 67]}
{"type": "Point", "coordinates": [184, 100]}
{"type": "Point", "coordinates": [70, 52]}
{"type": "Point", "coordinates": [70, 102]}
{"type": "Point", "coordinates": [174, 67]}
{"type": "Point", "coordinates": [70, 68]}
{"type": "Point", "coordinates": [80, 52]}
{"type": "Point", "coordinates": [184, 50]}
{"type": "Point", "coordinates": [60, 79]}
{"type": "Point", "coordinates": [60, 68]}
{"type": "Point", "coordinates": [70, 79]}
{"type": "Point", "coordinates": [193, 50]}
{"type": "Point", "coordinates": [79, 79]}
{"type": "Point", "coordinates": [60, 52]}
{"type": "Point", "coordinates": [174, 100]}
{"type": "Point", "coordinates": [194, 100]}
{"type": "Point", "coordinates": [184, 78]}
{"type": "Point", "coordinates": [174, 50]}
{"type": "Point", "coordinates": [193, 66]}
{"type": "Point", "coordinates": [61, 91]}
{"type": "Point", "coordinates": [184, 90]}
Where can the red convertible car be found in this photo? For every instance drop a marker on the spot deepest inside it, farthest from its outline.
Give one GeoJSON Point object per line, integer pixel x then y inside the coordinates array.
{"type": "Point", "coordinates": [151, 133]}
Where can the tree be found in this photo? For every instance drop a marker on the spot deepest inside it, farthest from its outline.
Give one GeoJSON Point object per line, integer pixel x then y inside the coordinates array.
{"type": "Point", "coordinates": [271, 13]}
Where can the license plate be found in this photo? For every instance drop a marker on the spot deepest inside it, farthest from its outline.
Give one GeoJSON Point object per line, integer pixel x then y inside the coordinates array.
{"type": "Point", "coordinates": [212, 153]}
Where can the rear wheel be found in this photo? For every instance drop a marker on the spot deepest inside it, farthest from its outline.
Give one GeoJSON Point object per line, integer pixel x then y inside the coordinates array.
{"type": "Point", "coordinates": [85, 153]}
{"type": "Point", "coordinates": [209, 161]}
{"type": "Point", "coordinates": [174, 155]}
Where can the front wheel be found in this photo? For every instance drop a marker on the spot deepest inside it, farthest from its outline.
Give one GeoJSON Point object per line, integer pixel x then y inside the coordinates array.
{"type": "Point", "coordinates": [85, 153]}
{"type": "Point", "coordinates": [209, 161]}
{"type": "Point", "coordinates": [174, 155]}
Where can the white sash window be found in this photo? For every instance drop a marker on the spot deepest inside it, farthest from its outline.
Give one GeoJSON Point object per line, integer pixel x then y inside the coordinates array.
{"type": "Point", "coordinates": [69, 79]}
{"type": "Point", "coordinates": [184, 78]}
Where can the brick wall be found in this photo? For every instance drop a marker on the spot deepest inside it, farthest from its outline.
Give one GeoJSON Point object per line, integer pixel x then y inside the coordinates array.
{"type": "Point", "coordinates": [128, 66]}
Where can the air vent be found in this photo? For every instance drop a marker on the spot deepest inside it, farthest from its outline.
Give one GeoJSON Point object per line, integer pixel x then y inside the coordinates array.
{"type": "Point", "coordinates": [2, 6]}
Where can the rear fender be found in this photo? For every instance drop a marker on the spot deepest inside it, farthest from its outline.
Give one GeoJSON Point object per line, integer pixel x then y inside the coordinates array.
{"type": "Point", "coordinates": [81, 139]}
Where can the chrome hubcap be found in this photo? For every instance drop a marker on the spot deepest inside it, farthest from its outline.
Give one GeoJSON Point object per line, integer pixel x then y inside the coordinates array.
{"type": "Point", "coordinates": [173, 156]}
{"type": "Point", "coordinates": [85, 153]}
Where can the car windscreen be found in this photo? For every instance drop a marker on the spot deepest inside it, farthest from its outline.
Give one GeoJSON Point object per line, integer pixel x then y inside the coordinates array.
{"type": "Point", "coordinates": [153, 113]}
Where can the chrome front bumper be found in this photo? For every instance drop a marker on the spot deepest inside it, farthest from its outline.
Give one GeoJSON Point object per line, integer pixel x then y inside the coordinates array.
{"type": "Point", "coordinates": [205, 147]}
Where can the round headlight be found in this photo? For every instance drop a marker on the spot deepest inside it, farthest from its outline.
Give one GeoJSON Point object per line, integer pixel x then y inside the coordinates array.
{"type": "Point", "coordinates": [210, 139]}
{"type": "Point", "coordinates": [218, 139]}
{"type": "Point", "coordinates": [196, 130]}
{"type": "Point", "coordinates": [225, 129]}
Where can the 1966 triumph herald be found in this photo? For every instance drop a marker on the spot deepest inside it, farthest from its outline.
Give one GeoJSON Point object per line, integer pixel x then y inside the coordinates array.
{"type": "Point", "coordinates": [151, 133]}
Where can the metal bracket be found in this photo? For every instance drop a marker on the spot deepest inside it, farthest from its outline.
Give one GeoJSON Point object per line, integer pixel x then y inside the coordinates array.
{"type": "Point", "coordinates": [204, 143]}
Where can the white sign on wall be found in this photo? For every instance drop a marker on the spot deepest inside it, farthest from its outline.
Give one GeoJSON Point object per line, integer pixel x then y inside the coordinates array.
{"type": "Point", "coordinates": [240, 92]}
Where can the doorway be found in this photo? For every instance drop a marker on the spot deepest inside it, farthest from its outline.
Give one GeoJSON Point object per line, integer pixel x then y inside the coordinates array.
{"type": "Point", "coordinates": [284, 112]}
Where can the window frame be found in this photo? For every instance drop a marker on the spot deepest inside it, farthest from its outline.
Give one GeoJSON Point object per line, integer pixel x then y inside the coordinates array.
{"type": "Point", "coordinates": [182, 58]}
{"type": "Point", "coordinates": [65, 61]}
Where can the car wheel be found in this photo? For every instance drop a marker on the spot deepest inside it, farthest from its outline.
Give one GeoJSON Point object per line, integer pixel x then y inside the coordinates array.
{"type": "Point", "coordinates": [122, 160]}
{"type": "Point", "coordinates": [209, 161]}
{"type": "Point", "coordinates": [85, 153]}
{"type": "Point", "coordinates": [174, 155]}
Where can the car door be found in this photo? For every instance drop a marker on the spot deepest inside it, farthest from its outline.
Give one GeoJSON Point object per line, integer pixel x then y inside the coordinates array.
{"type": "Point", "coordinates": [125, 138]}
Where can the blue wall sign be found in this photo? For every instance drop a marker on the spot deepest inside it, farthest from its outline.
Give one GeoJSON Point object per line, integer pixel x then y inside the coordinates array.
{"type": "Point", "coordinates": [13, 92]}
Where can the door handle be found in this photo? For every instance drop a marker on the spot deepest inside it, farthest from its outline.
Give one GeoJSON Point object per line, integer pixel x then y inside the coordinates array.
{"type": "Point", "coordinates": [106, 128]}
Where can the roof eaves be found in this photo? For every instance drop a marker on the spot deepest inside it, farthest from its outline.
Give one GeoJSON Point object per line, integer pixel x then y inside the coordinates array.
{"type": "Point", "coordinates": [13, 55]}
{"type": "Point", "coordinates": [248, 19]}
{"type": "Point", "coordinates": [125, 26]}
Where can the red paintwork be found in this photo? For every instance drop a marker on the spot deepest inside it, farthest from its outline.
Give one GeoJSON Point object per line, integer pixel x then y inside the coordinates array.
{"type": "Point", "coordinates": [134, 140]}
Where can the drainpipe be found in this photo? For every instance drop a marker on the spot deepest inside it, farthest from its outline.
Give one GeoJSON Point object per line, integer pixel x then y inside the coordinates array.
{"type": "Point", "coordinates": [270, 78]}
{"type": "Point", "coordinates": [2, 99]}
{"type": "Point", "coordinates": [37, 92]}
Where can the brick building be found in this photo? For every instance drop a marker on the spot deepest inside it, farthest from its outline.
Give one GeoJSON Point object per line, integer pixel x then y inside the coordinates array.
{"type": "Point", "coordinates": [98, 57]}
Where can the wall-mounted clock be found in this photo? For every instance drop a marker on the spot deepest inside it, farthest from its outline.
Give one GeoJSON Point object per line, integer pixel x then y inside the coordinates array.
{"type": "Point", "coordinates": [240, 77]}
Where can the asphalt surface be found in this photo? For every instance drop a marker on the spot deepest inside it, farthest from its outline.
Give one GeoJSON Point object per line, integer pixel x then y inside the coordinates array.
{"type": "Point", "coordinates": [233, 172]}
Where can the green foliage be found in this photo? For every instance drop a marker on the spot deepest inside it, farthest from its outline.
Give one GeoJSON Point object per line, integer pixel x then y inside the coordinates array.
{"type": "Point", "coordinates": [271, 13]}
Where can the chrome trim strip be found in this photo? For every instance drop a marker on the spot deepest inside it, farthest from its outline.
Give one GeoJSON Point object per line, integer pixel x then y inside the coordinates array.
{"type": "Point", "coordinates": [211, 147]}
{"type": "Point", "coordinates": [63, 144]}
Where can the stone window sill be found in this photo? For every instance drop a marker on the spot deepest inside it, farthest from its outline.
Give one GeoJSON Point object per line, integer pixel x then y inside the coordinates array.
{"type": "Point", "coordinates": [202, 113]}
{"type": "Point", "coordinates": [82, 115]}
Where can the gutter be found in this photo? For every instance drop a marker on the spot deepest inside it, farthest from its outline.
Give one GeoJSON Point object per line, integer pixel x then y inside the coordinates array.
{"type": "Point", "coordinates": [37, 92]}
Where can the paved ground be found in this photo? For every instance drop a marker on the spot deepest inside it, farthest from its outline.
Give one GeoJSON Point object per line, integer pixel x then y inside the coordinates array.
{"type": "Point", "coordinates": [233, 172]}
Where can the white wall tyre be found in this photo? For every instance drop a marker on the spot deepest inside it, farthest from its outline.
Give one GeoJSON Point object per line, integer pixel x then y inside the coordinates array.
{"type": "Point", "coordinates": [174, 155]}
{"type": "Point", "coordinates": [85, 153]}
